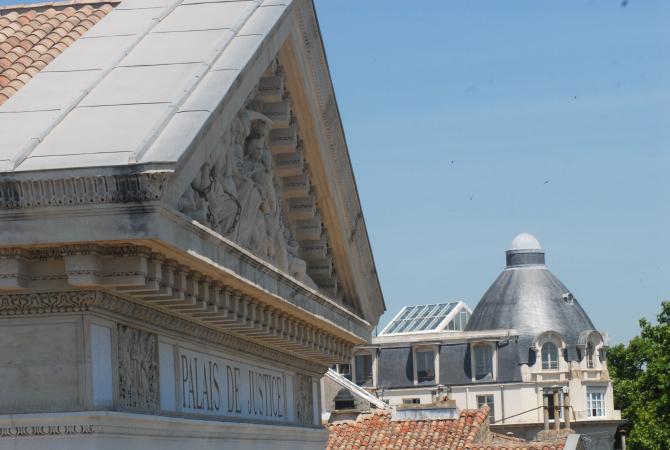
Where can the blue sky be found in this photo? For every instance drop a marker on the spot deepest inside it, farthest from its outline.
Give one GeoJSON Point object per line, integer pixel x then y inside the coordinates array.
{"type": "Point", "coordinates": [471, 121]}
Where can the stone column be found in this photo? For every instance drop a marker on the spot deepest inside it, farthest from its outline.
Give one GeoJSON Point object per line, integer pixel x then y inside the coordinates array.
{"type": "Point", "coordinates": [566, 406]}
{"type": "Point", "coordinates": [545, 409]}
{"type": "Point", "coordinates": [557, 411]}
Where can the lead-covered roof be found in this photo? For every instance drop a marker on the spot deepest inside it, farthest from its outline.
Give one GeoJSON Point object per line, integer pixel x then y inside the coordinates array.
{"type": "Point", "coordinates": [527, 297]}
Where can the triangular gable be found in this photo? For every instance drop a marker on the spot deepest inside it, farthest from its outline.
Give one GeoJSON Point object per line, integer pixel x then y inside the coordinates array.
{"type": "Point", "coordinates": [167, 83]}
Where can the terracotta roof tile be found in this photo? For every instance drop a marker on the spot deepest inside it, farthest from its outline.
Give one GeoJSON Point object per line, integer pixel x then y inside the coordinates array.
{"type": "Point", "coordinates": [377, 431]}
{"type": "Point", "coordinates": [31, 36]}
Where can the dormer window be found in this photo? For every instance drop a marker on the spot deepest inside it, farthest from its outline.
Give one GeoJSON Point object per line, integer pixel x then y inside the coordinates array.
{"type": "Point", "coordinates": [590, 356]}
{"type": "Point", "coordinates": [483, 362]}
{"type": "Point", "coordinates": [425, 366]}
{"type": "Point", "coordinates": [363, 364]}
{"type": "Point", "coordinates": [549, 356]}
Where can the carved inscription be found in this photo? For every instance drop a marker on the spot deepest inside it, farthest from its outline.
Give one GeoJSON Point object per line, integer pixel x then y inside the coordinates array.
{"type": "Point", "coordinates": [138, 369]}
{"type": "Point", "coordinates": [304, 406]}
{"type": "Point", "coordinates": [224, 387]}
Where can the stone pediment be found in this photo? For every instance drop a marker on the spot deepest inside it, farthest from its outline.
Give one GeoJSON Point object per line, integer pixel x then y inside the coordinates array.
{"type": "Point", "coordinates": [256, 190]}
{"type": "Point", "coordinates": [235, 129]}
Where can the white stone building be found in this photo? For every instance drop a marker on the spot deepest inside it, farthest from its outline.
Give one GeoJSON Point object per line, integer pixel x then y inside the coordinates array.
{"type": "Point", "coordinates": [528, 346]}
{"type": "Point", "coordinates": [182, 248]}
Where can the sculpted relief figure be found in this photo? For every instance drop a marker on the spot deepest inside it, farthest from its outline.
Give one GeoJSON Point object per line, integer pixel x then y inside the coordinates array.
{"type": "Point", "coordinates": [138, 368]}
{"type": "Point", "coordinates": [236, 194]}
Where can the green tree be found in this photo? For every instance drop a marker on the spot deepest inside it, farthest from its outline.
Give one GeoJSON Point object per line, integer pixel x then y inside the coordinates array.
{"type": "Point", "coordinates": [641, 375]}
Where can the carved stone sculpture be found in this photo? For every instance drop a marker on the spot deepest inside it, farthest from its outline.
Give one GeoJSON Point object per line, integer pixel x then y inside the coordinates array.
{"type": "Point", "coordinates": [237, 194]}
{"type": "Point", "coordinates": [304, 406]}
{"type": "Point", "coordinates": [138, 369]}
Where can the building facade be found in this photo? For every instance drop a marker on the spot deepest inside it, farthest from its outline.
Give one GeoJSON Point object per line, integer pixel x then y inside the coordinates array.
{"type": "Point", "coordinates": [182, 248]}
{"type": "Point", "coordinates": [528, 351]}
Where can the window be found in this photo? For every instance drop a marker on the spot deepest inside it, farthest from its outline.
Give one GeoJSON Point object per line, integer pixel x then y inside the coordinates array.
{"type": "Point", "coordinates": [419, 318]}
{"type": "Point", "coordinates": [549, 356]}
{"type": "Point", "coordinates": [344, 370]}
{"type": "Point", "coordinates": [363, 369]}
{"type": "Point", "coordinates": [590, 351]}
{"type": "Point", "coordinates": [459, 321]}
{"type": "Point", "coordinates": [425, 366]}
{"type": "Point", "coordinates": [483, 362]}
{"type": "Point", "coordinates": [465, 317]}
{"type": "Point", "coordinates": [411, 401]}
{"type": "Point", "coordinates": [595, 402]}
{"type": "Point", "coordinates": [487, 400]}
{"type": "Point", "coordinates": [345, 404]}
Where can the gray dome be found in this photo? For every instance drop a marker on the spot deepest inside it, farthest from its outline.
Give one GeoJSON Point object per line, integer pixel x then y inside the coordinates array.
{"type": "Point", "coordinates": [528, 297]}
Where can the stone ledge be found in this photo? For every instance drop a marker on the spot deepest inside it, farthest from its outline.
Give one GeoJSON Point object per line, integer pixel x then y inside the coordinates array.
{"type": "Point", "coordinates": [104, 430]}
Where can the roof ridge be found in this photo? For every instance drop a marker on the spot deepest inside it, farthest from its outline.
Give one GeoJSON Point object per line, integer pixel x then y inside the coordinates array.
{"type": "Point", "coordinates": [45, 5]}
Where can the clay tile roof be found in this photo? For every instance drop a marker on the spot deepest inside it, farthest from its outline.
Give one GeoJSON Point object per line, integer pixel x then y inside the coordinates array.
{"type": "Point", "coordinates": [376, 431]}
{"type": "Point", "coordinates": [31, 36]}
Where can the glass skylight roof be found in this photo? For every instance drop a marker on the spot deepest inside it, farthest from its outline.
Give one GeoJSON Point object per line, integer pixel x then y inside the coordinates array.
{"type": "Point", "coordinates": [420, 318]}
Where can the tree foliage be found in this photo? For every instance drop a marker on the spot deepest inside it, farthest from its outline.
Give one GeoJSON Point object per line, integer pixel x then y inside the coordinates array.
{"type": "Point", "coordinates": [641, 375]}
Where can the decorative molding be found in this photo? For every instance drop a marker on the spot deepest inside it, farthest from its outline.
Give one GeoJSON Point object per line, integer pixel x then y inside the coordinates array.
{"type": "Point", "coordinates": [164, 284]}
{"type": "Point", "coordinates": [46, 302]}
{"type": "Point", "coordinates": [117, 188]}
{"type": "Point", "coordinates": [133, 312]}
{"type": "Point", "coordinates": [314, 64]}
{"type": "Point", "coordinates": [159, 319]}
{"type": "Point", "coordinates": [46, 430]}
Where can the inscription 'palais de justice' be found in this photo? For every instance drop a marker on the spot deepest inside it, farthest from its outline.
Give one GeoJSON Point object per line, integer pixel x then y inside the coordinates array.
{"type": "Point", "coordinates": [225, 387]}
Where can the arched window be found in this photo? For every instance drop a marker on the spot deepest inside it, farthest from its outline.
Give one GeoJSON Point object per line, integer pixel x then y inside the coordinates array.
{"type": "Point", "coordinates": [590, 360]}
{"type": "Point", "coordinates": [549, 356]}
{"type": "Point", "coordinates": [483, 362]}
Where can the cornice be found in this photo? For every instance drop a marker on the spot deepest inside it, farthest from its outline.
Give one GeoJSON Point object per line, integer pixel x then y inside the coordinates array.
{"type": "Point", "coordinates": [314, 65]}
{"type": "Point", "coordinates": [164, 284]}
{"type": "Point", "coordinates": [17, 193]}
{"type": "Point", "coordinates": [78, 301]}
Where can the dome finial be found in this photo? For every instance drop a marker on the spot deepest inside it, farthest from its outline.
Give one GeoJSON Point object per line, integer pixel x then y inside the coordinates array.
{"type": "Point", "coordinates": [525, 241]}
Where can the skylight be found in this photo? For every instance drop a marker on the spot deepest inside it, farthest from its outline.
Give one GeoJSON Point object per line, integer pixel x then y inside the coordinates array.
{"type": "Point", "coordinates": [420, 318]}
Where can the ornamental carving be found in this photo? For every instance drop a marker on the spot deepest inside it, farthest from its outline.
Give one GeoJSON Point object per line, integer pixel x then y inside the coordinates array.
{"type": "Point", "coordinates": [45, 430]}
{"type": "Point", "coordinates": [304, 403]}
{"type": "Point", "coordinates": [119, 188]}
{"type": "Point", "coordinates": [138, 369]}
{"type": "Point", "coordinates": [80, 301]}
{"type": "Point", "coordinates": [47, 302]}
{"type": "Point", "coordinates": [236, 194]}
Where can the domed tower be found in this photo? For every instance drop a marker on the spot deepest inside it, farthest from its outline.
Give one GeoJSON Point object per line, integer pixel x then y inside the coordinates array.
{"type": "Point", "coordinates": [527, 297]}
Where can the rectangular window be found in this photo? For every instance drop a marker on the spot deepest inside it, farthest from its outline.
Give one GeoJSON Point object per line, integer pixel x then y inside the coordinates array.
{"type": "Point", "coordinates": [425, 366]}
{"type": "Point", "coordinates": [589, 357]}
{"type": "Point", "coordinates": [595, 403]}
{"type": "Point", "coordinates": [364, 370]}
{"type": "Point", "coordinates": [411, 401]}
{"type": "Point", "coordinates": [483, 362]}
{"type": "Point", "coordinates": [344, 370]}
{"type": "Point", "coordinates": [487, 400]}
